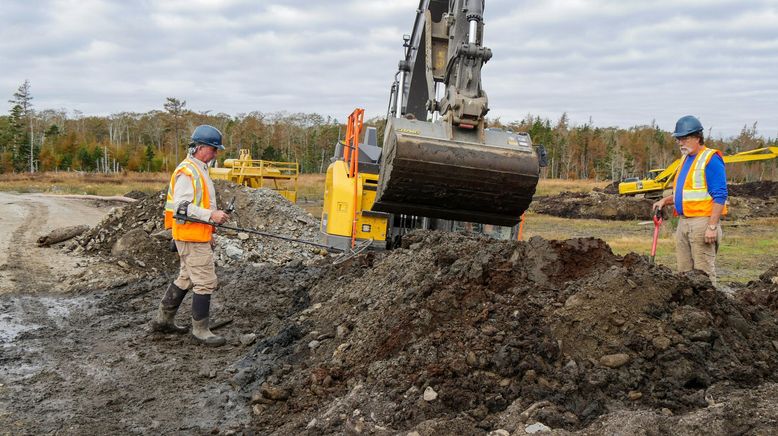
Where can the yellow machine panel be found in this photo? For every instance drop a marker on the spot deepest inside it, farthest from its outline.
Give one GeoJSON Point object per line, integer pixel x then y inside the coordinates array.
{"type": "Point", "coordinates": [338, 212]}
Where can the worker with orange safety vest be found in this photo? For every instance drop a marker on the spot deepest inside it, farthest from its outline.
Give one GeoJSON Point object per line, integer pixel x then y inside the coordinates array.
{"type": "Point", "coordinates": [700, 199]}
{"type": "Point", "coordinates": [191, 192]}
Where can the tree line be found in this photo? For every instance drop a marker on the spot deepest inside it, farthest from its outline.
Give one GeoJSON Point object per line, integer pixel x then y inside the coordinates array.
{"type": "Point", "coordinates": [59, 140]}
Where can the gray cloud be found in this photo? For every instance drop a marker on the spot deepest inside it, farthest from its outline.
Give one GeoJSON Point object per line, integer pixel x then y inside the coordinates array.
{"type": "Point", "coordinates": [620, 63]}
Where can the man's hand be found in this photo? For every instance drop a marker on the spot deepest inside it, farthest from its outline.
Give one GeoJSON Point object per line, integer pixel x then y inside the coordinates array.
{"type": "Point", "coordinates": [711, 235]}
{"type": "Point", "coordinates": [658, 204]}
{"type": "Point", "coordinates": [219, 216]}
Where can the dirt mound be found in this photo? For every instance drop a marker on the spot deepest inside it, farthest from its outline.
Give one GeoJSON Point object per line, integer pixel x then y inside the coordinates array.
{"type": "Point", "coordinates": [450, 334]}
{"type": "Point", "coordinates": [611, 188]}
{"type": "Point", "coordinates": [135, 235]}
{"type": "Point", "coordinates": [453, 334]}
{"type": "Point", "coordinates": [138, 195]}
{"type": "Point", "coordinates": [765, 189]}
{"type": "Point", "coordinates": [597, 205]}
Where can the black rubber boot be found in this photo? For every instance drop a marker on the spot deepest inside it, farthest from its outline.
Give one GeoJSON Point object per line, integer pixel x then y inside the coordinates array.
{"type": "Point", "coordinates": [166, 314]}
{"type": "Point", "coordinates": [201, 306]}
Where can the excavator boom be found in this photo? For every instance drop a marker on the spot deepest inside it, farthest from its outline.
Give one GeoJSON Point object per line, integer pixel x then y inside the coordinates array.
{"type": "Point", "coordinates": [654, 186]}
{"type": "Point", "coordinates": [451, 167]}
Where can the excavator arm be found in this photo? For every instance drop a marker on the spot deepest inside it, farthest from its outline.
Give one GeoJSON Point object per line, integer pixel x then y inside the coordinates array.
{"type": "Point", "coordinates": [440, 160]}
{"type": "Point", "coordinates": [655, 186]}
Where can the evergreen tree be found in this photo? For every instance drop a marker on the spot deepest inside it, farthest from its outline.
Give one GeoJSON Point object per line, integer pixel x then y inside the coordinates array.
{"type": "Point", "coordinates": [22, 112]}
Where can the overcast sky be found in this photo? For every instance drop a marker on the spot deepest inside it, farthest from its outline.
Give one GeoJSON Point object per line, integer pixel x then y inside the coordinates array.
{"type": "Point", "coordinates": [617, 62]}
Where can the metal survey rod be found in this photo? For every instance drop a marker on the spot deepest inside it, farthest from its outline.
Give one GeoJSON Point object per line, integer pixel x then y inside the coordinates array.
{"type": "Point", "coordinates": [257, 232]}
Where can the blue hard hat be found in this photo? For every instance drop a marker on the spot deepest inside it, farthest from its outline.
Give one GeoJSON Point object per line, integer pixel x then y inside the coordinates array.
{"type": "Point", "coordinates": [207, 135]}
{"type": "Point", "coordinates": [687, 125]}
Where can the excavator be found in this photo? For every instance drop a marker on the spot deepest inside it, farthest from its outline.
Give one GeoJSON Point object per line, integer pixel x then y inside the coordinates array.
{"type": "Point", "coordinates": [660, 179]}
{"type": "Point", "coordinates": [441, 166]}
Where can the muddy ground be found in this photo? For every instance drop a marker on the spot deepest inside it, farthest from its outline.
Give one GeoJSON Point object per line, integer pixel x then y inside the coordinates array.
{"type": "Point", "coordinates": [450, 334]}
{"type": "Point", "coordinates": [746, 200]}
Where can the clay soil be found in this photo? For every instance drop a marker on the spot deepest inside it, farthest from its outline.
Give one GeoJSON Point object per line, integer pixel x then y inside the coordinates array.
{"type": "Point", "coordinates": [450, 334]}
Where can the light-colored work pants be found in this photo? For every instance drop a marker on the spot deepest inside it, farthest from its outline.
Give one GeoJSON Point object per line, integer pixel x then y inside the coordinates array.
{"type": "Point", "coordinates": [197, 267]}
{"type": "Point", "coordinates": [691, 251]}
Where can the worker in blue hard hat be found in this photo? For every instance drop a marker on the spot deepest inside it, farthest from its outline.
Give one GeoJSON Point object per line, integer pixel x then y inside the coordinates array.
{"type": "Point", "coordinates": [700, 199]}
{"type": "Point", "coordinates": [191, 192]}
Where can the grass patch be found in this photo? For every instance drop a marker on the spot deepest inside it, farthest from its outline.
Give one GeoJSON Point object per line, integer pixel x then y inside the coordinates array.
{"type": "Point", "coordinates": [557, 186]}
{"type": "Point", "coordinates": [310, 187]}
{"type": "Point", "coordinates": [83, 183]}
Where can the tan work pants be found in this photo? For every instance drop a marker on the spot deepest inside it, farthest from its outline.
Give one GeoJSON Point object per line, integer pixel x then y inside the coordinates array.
{"type": "Point", "coordinates": [197, 267]}
{"type": "Point", "coordinates": [691, 251]}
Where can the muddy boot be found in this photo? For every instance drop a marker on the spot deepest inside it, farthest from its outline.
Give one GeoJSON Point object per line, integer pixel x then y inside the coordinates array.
{"type": "Point", "coordinates": [165, 319]}
{"type": "Point", "coordinates": [201, 306]}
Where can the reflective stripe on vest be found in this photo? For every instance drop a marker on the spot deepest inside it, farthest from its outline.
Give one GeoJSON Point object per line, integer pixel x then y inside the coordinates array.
{"type": "Point", "coordinates": [192, 232]}
{"type": "Point", "coordinates": [696, 199]}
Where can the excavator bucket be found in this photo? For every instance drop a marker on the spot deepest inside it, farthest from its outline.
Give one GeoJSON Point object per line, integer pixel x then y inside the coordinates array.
{"type": "Point", "coordinates": [433, 170]}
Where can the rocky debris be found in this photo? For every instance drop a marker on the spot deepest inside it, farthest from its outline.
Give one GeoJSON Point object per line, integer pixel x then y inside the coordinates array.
{"type": "Point", "coordinates": [430, 394]}
{"type": "Point", "coordinates": [135, 233]}
{"type": "Point", "coordinates": [597, 205]}
{"type": "Point", "coordinates": [751, 411]}
{"type": "Point", "coordinates": [615, 360]}
{"type": "Point", "coordinates": [508, 334]}
{"type": "Point", "coordinates": [248, 339]}
{"type": "Point", "coordinates": [131, 226]}
{"type": "Point", "coordinates": [536, 428]}
{"type": "Point", "coordinates": [61, 234]}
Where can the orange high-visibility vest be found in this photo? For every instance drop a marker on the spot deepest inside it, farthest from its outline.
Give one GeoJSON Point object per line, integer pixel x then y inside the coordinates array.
{"type": "Point", "coordinates": [186, 231]}
{"type": "Point", "coordinates": [696, 199]}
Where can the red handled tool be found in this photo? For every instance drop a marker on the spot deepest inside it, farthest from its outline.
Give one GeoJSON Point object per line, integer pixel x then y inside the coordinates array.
{"type": "Point", "coordinates": [657, 224]}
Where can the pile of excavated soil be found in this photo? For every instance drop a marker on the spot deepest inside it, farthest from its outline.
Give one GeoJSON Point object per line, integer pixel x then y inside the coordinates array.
{"type": "Point", "coordinates": [450, 334]}
{"type": "Point", "coordinates": [765, 189]}
{"type": "Point", "coordinates": [596, 205]}
{"type": "Point", "coordinates": [611, 188]}
{"type": "Point", "coordinates": [134, 234]}
{"type": "Point", "coordinates": [762, 292]}
{"type": "Point", "coordinates": [462, 335]}
{"type": "Point", "coordinates": [753, 199]}
{"type": "Point", "coordinates": [747, 200]}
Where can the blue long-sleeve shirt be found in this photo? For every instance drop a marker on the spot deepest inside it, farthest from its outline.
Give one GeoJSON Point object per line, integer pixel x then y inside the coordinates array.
{"type": "Point", "coordinates": [716, 178]}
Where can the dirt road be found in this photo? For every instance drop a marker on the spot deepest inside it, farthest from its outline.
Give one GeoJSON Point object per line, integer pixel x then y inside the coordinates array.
{"type": "Point", "coordinates": [80, 360]}
{"type": "Point", "coordinates": [23, 218]}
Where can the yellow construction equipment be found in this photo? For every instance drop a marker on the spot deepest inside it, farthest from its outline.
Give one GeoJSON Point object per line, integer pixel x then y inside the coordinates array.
{"type": "Point", "coordinates": [440, 166]}
{"type": "Point", "coordinates": [350, 190]}
{"type": "Point", "coordinates": [278, 176]}
{"type": "Point", "coordinates": [663, 178]}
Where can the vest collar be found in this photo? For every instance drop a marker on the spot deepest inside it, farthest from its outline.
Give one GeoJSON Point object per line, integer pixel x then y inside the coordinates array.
{"type": "Point", "coordinates": [198, 162]}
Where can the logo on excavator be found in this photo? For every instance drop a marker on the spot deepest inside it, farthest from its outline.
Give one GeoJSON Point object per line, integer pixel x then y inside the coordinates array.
{"type": "Point", "coordinates": [410, 131]}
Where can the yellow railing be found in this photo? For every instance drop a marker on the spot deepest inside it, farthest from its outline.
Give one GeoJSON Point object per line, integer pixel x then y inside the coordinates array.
{"type": "Point", "coordinates": [257, 173]}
